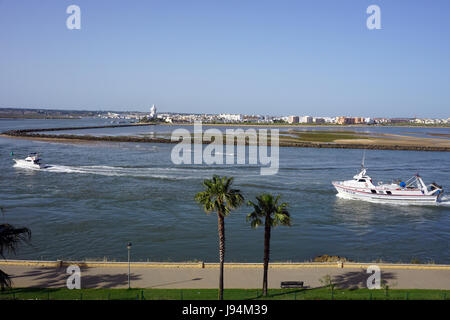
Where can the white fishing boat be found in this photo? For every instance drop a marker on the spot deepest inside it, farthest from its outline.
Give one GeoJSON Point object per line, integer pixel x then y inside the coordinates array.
{"type": "Point", "coordinates": [32, 162]}
{"type": "Point", "coordinates": [362, 187]}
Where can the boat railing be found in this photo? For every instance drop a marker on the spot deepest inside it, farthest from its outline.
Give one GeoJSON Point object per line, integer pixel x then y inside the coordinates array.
{"type": "Point", "coordinates": [412, 182]}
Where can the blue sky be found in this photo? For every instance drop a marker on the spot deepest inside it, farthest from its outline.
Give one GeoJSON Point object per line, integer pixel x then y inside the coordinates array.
{"type": "Point", "coordinates": [237, 56]}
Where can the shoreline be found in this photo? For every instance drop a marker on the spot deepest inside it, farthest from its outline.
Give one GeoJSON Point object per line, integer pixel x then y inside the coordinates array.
{"type": "Point", "coordinates": [309, 125]}
{"type": "Point", "coordinates": [87, 139]}
{"type": "Point", "coordinates": [22, 131]}
{"type": "Point", "coordinates": [268, 125]}
{"type": "Point", "coordinates": [229, 265]}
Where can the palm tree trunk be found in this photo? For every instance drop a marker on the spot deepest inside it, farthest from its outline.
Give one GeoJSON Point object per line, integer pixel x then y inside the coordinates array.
{"type": "Point", "coordinates": [221, 226]}
{"type": "Point", "coordinates": [5, 281]}
{"type": "Point", "coordinates": [266, 255]}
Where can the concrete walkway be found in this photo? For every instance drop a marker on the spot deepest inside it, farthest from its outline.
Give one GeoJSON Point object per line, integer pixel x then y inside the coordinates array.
{"type": "Point", "coordinates": [97, 275]}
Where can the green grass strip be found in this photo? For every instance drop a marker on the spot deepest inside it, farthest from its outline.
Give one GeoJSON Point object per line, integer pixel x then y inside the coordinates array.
{"type": "Point", "coordinates": [229, 294]}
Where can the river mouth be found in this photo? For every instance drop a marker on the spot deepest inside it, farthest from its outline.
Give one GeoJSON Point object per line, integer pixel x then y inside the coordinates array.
{"type": "Point", "coordinates": [97, 197]}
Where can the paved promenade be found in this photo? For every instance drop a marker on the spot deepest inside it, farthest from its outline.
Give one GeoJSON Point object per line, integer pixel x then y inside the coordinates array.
{"type": "Point", "coordinates": [198, 275]}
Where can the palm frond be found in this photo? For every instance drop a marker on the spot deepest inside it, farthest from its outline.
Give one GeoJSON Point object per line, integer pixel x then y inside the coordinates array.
{"type": "Point", "coordinates": [11, 237]}
{"type": "Point", "coordinates": [218, 195]}
{"type": "Point", "coordinates": [267, 207]}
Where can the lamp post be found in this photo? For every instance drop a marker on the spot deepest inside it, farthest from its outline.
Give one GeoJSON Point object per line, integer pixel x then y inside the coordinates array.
{"type": "Point", "coordinates": [129, 251]}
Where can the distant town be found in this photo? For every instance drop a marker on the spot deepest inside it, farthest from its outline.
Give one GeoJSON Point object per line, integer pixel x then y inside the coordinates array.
{"type": "Point", "coordinates": [226, 118]}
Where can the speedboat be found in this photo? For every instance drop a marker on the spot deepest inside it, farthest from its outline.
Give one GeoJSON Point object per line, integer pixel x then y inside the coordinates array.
{"type": "Point", "coordinates": [413, 190]}
{"type": "Point", "coordinates": [32, 161]}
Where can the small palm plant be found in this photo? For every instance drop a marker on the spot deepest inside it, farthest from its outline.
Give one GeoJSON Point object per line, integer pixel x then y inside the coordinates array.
{"type": "Point", "coordinates": [327, 282]}
{"type": "Point", "coordinates": [218, 196]}
{"type": "Point", "coordinates": [385, 286]}
{"type": "Point", "coordinates": [10, 238]}
{"type": "Point", "coordinates": [274, 214]}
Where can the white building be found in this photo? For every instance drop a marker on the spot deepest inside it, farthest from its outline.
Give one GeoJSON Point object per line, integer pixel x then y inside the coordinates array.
{"type": "Point", "coordinates": [329, 119]}
{"type": "Point", "coordinates": [230, 117]}
{"type": "Point", "coordinates": [113, 115]}
{"type": "Point", "coordinates": [369, 121]}
{"type": "Point", "coordinates": [319, 120]}
{"type": "Point", "coordinates": [305, 119]}
{"type": "Point", "coordinates": [152, 112]}
{"type": "Point", "coordinates": [293, 119]}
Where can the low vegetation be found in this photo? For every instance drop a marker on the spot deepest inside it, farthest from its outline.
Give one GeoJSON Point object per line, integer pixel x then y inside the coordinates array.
{"type": "Point", "coordinates": [327, 258]}
{"type": "Point", "coordinates": [326, 136]}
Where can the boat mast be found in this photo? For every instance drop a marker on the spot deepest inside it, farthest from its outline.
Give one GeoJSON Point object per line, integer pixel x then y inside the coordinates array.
{"type": "Point", "coordinates": [363, 160]}
{"type": "Point", "coordinates": [363, 168]}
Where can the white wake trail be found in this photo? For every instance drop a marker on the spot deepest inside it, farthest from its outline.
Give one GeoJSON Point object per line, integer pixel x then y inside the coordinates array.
{"type": "Point", "coordinates": [158, 173]}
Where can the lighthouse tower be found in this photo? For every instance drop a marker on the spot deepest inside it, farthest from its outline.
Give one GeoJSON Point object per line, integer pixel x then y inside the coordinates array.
{"type": "Point", "coordinates": [153, 112]}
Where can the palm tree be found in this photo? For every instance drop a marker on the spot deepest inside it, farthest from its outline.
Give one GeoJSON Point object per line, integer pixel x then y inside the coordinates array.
{"type": "Point", "coordinates": [10, 238]}
{"type": "Point", "coordinates": [221, 198]}
{"type": "Point", "coordinates": [274, 214]}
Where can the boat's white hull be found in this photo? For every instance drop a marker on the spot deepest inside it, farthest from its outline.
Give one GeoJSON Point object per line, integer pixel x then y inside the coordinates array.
{"type": "Point", "coordinates": [367, 194]}
{"type": "Point", "coordinates": [28, 165]}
